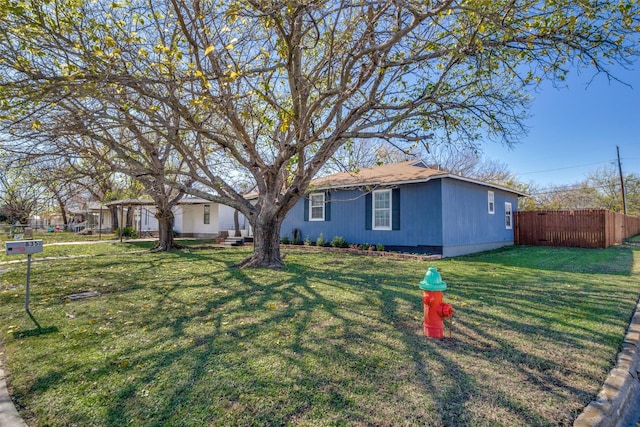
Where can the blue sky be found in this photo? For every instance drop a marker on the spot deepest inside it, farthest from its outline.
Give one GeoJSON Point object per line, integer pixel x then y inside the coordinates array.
{"type": "Point", "coordinates": [575, 130]}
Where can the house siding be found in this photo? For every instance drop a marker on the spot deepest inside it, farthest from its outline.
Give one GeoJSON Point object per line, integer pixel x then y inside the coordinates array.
{"type": "Point", "coordinates": [420, 218]}
{"type": "Point", "coordinates": [446, 216]}
{"type": "Point", "coordinates": [147, 219]}
{"type": "Point", "coordinates": [189, 220]}
{"type": "Point", "coordinates": [467, 225]}
{"type": "Point", "coordinates": [225, 219]}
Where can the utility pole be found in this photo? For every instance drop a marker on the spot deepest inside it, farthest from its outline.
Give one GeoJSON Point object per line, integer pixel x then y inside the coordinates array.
{"type": "Point", "coordinates": [624, 198]}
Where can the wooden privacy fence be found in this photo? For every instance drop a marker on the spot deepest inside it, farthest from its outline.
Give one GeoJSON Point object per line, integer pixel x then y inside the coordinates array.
{"type": "Point", "coordinates": [588, 228]}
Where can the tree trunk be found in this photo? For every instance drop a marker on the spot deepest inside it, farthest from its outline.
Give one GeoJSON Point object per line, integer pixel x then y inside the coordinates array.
{"type": "Point", "coordinates": [236, 223]}
{"type": "Point", "coordinates": [130, 217]}
{"type": "Point", "coordinates": [165, 219]}
{"type": "Point", "coordinates": [63, 212]}
{"type": "Point", "coordinates": [115, 223]}
{"type": "Point", "coordinates": [266, 242]}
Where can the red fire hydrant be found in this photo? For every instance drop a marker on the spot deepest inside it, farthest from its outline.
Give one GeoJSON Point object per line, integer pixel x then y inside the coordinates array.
{"type": "Point", "coordinates": [434, 309]}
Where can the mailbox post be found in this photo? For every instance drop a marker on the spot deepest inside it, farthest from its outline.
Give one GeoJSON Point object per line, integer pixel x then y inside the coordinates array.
{"type": "Point", "coordinates": [24, 247]}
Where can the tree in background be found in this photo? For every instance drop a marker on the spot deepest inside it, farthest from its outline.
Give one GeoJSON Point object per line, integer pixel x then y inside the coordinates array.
{"type": "Point", "coordinates": [20, 196]}
{"type": "Point", "coordinates": [576, 196]}
{"type": "Point", "coordinates": [86, 135]}
{"type": "Point", "coordinates": [606, 182]}
{"type": "Point", "coordinates": [600, 190]}
{"type": "Point", "coordinates": [55, 177]}
{"type": "Point", "coordinates": [270, 90]}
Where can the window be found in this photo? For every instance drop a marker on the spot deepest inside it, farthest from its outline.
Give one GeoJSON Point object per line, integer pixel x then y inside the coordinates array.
{"type": "Point", "coordinates": [508, 216]}
{"type": "Point", "coordinates": [491, 200]}
{"type": "Point", "coordinates": [316, 205]}
{"type": "Point", "coordinates": [207, 214]}
{"type": "Point", "coordinates": [382, 210]}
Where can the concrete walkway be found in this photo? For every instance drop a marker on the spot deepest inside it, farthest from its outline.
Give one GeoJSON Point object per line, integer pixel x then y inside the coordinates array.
{"type": "Point", "coordinates": [618, 403]}
{"type": "Point", "coordinates": [9, 416]}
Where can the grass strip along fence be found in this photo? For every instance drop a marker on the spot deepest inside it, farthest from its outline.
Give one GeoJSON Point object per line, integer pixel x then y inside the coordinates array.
{"type": "Point", "coordinates": [582, 228]}
{"type": "Point", "coordinates": [183, 338]}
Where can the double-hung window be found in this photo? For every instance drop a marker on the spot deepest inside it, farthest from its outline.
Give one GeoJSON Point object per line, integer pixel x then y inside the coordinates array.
{"type": "Point", "coordinates": [207, 214]}
{"type": "Point", "coordinates": [382, 210]}
{"type": "Point", "coordinates": [316, 207]}
{"type": "Point", "coordinates": [508, 216]}
{"type": "Point", "coordinates": [491, 202]}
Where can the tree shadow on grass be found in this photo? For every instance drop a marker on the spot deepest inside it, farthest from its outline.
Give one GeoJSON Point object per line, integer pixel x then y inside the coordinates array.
{"type": "Point", "coordinates": [331, 343]}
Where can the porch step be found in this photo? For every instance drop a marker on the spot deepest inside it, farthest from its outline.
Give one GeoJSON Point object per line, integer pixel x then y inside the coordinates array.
{"type": "Point", "coordinates": [233, 241]}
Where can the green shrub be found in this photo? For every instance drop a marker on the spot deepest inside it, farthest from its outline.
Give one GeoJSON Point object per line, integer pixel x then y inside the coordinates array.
{"type": "Point", "coordinates": [339, 242]}
{"type": "Point", "coordinates": [380, 247]}
{"type": "Point", "coordinates": [320, 241]}
{"type": "Point", "coordinates": [128, 231]}
{"type": "Point", "coordinates": [365, 246]}
{"type": "Point", "coordinates": [284, 240]}
{"type": "Point", "coordinates": [307, 241]}
{"type": "Point", "coordinates": [296, 237]}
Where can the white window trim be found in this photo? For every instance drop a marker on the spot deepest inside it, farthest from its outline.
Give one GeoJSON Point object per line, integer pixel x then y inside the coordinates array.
{"type": "Point", "coordinates": [206, 214]}
{"type": "Point", "coordinates": [311, 207]}
{"type": "Point", "coordinates": [508, 214]}
{"type": "Point", "coordinates": [491, 201]}
{"type": "Point", "coordinates": [373, 210]}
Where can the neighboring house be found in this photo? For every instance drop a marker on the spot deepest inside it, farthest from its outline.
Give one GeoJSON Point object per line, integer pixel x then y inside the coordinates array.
{"type": "Point", "coordinates": [136, 213]}
{"type": "Point", "coordinates": [195, 217]}
{"type": "Point", "coordinates": [94, 216]}
{"type": "Point", "coordinates": [406, 207]}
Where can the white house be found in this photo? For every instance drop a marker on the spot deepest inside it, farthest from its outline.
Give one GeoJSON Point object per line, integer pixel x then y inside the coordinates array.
{"type": "Point", "coordinates": [141, 211]}
{"type": "Point", "coordinates": [194, 217]}
{"type": "Point", "coordinates": [96, 217]}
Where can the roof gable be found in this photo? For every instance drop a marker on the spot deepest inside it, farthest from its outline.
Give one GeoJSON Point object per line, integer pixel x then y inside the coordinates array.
{"type": "Point", "coordinates": [394, 173]}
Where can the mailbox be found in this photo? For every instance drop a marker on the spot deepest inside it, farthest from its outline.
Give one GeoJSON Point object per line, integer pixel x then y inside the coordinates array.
{"type": "Point", "coordinates": [23, 247]}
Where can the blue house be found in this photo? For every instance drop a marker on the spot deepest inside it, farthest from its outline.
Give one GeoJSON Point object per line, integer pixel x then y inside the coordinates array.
{"type": "Point", "coordinates": [406, 207]}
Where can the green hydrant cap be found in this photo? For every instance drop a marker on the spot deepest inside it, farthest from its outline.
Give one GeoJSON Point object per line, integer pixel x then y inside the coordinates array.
{"type": "Point", "coordinates": [432, 281]}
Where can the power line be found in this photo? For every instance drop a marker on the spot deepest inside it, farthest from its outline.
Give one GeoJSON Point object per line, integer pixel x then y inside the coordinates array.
{"type": "Point", "coordinates": [565, 168]}
{"type": "Point", "coordinates": [568, 189]}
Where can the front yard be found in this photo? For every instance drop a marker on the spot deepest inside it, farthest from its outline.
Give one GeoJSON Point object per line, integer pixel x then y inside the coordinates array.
{"type": "Point", "coordinates": [182, 338]}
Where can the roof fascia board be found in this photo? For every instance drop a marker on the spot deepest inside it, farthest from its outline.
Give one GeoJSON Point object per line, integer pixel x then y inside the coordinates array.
{"type": "Point", "coordinates": [417, 181]}
{"type": "Point", "coordinates": [485, 184]}
{"type": "Point", "coordinates": [372, 183]}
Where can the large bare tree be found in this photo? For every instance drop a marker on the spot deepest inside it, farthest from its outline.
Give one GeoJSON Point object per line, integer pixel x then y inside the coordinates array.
{"type": "Point", "coordinates": [20, 195]}
{"type": "Point", "coordinates": [125, 142]}
{"type": "Point", "coordinates": [271, 89]}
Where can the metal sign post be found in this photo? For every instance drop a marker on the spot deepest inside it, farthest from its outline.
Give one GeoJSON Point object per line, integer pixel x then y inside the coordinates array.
{"type": "Point", "coordinates": [26, 300]}
{"type": "Point", "coordinates": [25, 247]}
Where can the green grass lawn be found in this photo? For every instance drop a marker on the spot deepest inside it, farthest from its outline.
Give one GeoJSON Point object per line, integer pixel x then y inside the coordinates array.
{"type": "Point", "coordinates": [63, 236]}
{"type": "Point", "coordinates": [182, 338]}
{"type": "Point", "coordinates": [633, 239]}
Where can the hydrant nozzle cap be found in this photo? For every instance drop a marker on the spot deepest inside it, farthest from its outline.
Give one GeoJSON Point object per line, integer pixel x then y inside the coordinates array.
{"type": "Point", "coordinates": [432, 281]}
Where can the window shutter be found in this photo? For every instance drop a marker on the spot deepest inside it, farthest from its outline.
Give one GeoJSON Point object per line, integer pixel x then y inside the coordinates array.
{"type": "Point", "coordinates": [395, 209]}
{"type": "Point", "coordinates": [368, 210]}
{"type": "Point", "coordinates": [327, 206]}
{"type": "Point", "coordinates": [306, 208]}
